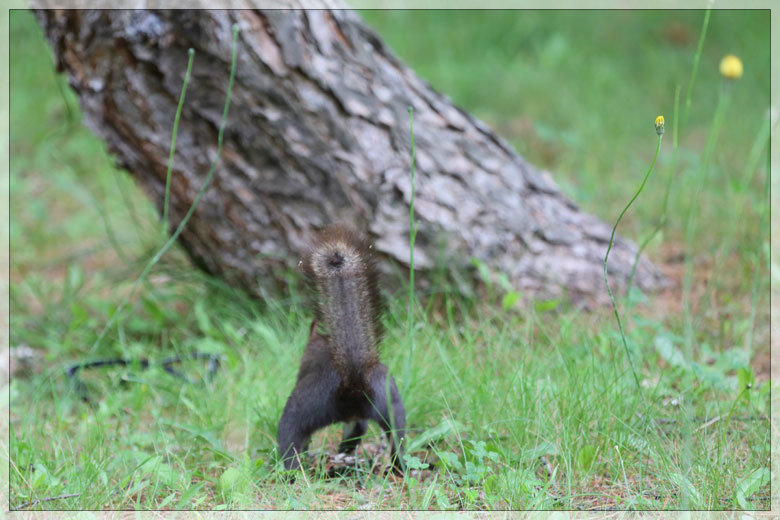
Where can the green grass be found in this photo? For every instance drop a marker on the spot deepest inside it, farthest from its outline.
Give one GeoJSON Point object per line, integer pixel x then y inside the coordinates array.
{"type": "Point", "coordinates": [517, 407]}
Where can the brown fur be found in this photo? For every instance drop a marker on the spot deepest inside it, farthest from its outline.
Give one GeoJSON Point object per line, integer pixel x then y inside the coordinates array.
{"type": "Point", "coordinates": [340, 377]}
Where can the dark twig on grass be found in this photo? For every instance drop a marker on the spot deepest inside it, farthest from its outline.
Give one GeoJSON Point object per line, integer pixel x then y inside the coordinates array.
{"type": "Point", "coordinates": [40, 500]}
{"type": "Point", "coordinates": [143, 363]}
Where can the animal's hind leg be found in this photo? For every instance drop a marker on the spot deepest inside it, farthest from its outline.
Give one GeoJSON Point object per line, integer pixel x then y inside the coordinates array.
{"type": "Point", "coordinates": [309, 408]}
{"type": "Point", "coordinates": [353, 434]}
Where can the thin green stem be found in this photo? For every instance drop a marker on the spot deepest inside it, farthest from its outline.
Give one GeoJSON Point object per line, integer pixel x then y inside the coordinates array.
{"type": "Point", "coordinates": [191, 54]}
{"type": "Point", "coordinates": [669, 178]}
{"type": "Point", "coordinates": [194, 204]}
{"type": "Point", "coordinates": [606, 257]}
{"type": "Point", "coordinates": [695, 70]}
{"type": "Point", "coordinates": [412, 236]}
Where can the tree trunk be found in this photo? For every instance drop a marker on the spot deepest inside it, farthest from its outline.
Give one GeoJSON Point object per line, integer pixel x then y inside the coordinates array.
{"type": "Point", "coordinates": [318, 132]}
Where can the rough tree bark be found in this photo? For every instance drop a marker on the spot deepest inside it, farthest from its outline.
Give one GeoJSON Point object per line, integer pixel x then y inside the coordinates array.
{"type": "Point", "coordinates": [318, 132]}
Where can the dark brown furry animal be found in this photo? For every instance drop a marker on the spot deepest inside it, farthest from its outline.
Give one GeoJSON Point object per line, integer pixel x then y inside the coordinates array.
{"type": "Point", "coordinates": [340, 378]}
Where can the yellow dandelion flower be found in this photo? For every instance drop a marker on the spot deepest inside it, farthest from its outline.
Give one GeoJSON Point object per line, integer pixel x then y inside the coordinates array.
{"type": "Point", "coordinates": [659, 125]}
{"type": "Point", "coordinates": [731, 67]}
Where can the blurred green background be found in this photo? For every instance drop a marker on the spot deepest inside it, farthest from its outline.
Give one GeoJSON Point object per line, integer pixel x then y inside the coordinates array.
{"type": "Point", "coordinates": [576, 92]}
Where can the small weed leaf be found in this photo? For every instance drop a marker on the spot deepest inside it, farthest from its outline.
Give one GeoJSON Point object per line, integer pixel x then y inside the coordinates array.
{"type": "Point", "coordinates": [509, 300]}
{"type": "Point", "coordinates": [750, 486]}
{"type": "Point", "coordinates": [43, 479]}
{"type": "Point", "coordinates": [475, 473]}
{"type": "Point", "coordinates": [546, 305]}
{"type": "Point", "coordinates": [480, 452]}
{"type": "Point", "coordinates": [473, 467]}
{"type": "Point", "coordinates": [413, 462]}
{"type": "Point", "coordinates": [233, 482]}
{"type": "Point", "coordinates": [450, 460]}
{"type": "Point", "coordinates": [437, 433]}
{"type": "Point", "coordinates": [669, 353]}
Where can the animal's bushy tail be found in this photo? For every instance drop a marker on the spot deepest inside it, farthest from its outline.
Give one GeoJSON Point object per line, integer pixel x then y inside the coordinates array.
{"type": "Point", "coordinates": [340, 266]}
